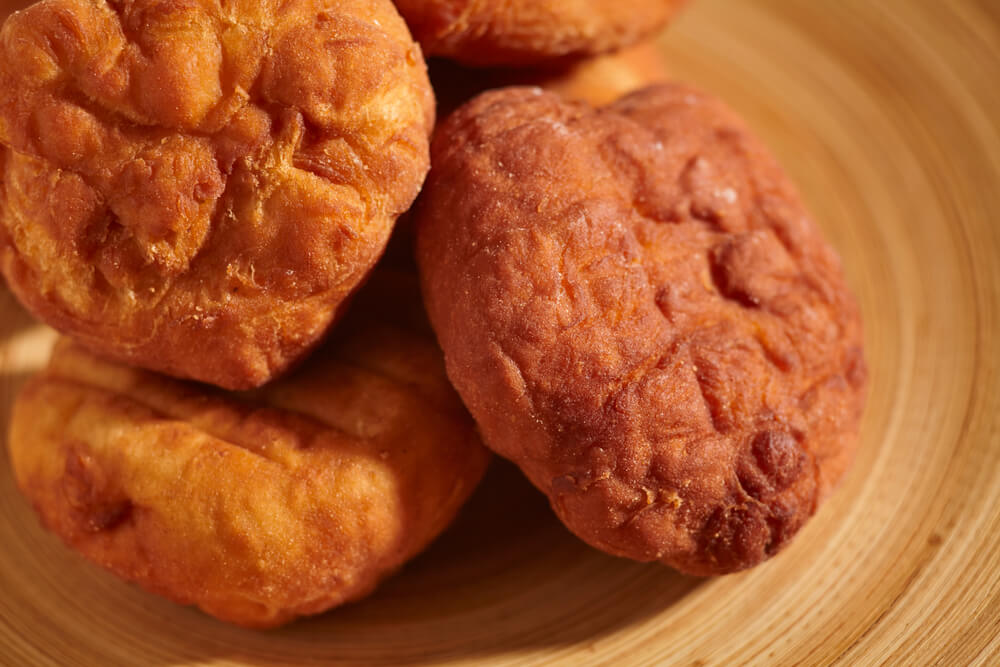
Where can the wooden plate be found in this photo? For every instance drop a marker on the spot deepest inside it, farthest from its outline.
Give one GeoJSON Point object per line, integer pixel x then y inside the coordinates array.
{"type": "Point", "coordinates": [888, 116]}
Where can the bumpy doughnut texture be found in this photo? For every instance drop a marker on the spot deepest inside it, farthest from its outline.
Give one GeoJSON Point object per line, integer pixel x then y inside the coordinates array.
{"type": "Point", "coordinates": [530, 32]}
{"type": "Point", "coordinates": [638, 311]}
{"type": "Point", "coordinates": [195, 186]}
{"type": "Point", "coordinates": [263, 506]}
{"type": "Point", "coordinates": [598, 80]}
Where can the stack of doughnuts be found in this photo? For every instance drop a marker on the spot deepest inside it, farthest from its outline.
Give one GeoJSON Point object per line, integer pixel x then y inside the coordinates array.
{"type": "Point", "coordinates": [250, 409]}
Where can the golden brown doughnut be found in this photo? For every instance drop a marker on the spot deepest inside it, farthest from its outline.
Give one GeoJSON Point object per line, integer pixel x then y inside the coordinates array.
{"type": "Point", "coordinates": [638, 311]}
{"type": "Point", "coordinates": [260, 506]}
{"type": "Point", "coordinates": [196, 188]}
{"type": "Point", "coordinates": [531, 32]}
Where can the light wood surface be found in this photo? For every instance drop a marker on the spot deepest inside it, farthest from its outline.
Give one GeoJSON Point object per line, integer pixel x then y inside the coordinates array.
{"type": "Point", "coordinates": [887, 114]}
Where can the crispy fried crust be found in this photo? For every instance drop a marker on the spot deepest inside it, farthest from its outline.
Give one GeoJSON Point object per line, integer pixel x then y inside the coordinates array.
{"type": "Point", "coordinates": [263, 506]}
{"type": "Point", "coordinates": [638, 311]}
{"type": "Point", "coordinates": [598, 80]}
{"type": "Point", "coordinates": [195, 188]}
{"type": "Point", "coordinates": [531, 32]}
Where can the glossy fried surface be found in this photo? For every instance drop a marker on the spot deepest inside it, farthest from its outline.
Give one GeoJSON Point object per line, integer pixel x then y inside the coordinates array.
{"type": "Point", "coordinates": [639, 312]}
{"type": "Point", "coordinates": [531, 32]}
{"type": "Point", "coordinates": [262, 506]}
{"type": "Point", "coordinates": [195, 187]}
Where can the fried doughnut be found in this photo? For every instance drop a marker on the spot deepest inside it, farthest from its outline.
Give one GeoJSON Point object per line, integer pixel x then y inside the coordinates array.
{"type": "Point", "coordinates": [531, 32]}
{"type": "Point", "coordinates": [196, 187]}
{"type": "Point", "coordinates": [260, 506]}
{"type": "Point", "coordinates": [598, 80]}
{"type": "Point", "coordinates": [638, 311]}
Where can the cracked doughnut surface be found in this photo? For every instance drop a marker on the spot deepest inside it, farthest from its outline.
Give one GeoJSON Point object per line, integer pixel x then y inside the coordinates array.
{"type": "Point", "coordinates": [531, 32]}
{"type": "Point", "coordinates": [261, 506]}
{"type": "Point", "coordinates": [195, 186]}
{"type": "Point", "coordinates": [638, 311]}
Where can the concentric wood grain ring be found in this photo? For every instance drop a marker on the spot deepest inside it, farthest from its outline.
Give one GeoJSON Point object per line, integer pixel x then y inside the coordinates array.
{"type": "Point", "coordinates": [887, 114]}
